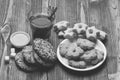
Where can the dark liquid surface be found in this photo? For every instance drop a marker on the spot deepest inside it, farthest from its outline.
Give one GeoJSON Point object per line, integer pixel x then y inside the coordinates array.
{"type": "Point", "coordinates": [41, 23]}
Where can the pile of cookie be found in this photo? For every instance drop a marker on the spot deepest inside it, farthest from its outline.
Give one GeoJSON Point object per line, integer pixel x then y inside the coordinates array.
{"type": "Point", "coordinates": [37, 56]}
{"type": "Point", "coordinates": [79, 48]}
{"type": "Point", "coordinates": [79, 30]}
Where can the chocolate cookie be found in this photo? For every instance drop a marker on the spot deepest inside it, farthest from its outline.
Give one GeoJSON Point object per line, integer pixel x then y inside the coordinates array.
{"type": "Point", "coordinates": [41, 62]}
{"type": "Point", "coordinates": [28, 55]}
{"type": "Point", "coordinates": [44, 50]}
{"type": "Point", "coordinates": [21, 64]}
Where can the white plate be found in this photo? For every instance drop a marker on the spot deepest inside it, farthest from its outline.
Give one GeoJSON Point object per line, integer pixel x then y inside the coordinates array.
{"type": "Point", "coordinates": [100, 46]}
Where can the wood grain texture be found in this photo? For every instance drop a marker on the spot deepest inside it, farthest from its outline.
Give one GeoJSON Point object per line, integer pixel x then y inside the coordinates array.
{"type": "Point", "coordinates": [37, 7]}
{"type": "Point", "coordinates": [114, 6]}
{"type": "Point", "coordinates": [104, 15]}
{"type": "Point", "coordinates": [3, 10]}
{"type": "Point", "coordinates": [94, 20]}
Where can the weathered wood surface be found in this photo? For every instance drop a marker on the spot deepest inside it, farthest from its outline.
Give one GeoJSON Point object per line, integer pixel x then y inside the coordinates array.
{"type": "Point", "coordinates": [104, 15]}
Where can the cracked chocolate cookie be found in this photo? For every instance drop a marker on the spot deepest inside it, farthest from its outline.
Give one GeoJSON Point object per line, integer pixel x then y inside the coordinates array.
{"type": "Point", "coordinates": [28, 55]}
{"type": "Point", "coordinates": [21, 64]}
{"type": "Point", "coordinates": [40, 62]}
{"type": "Point", "coordinates": [45, 50]}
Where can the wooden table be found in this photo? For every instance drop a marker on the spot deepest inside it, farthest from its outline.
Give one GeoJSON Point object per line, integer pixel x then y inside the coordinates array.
{"type": "Point", "coordinates": [104, 15]}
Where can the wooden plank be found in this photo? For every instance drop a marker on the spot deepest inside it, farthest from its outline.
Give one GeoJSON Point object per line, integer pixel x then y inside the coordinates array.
{"type": "Point", "coordinates": [112, 44]}
{"type": "Point", "coordinates": [41, 75]}
{"type": "Point", "coordinates": [82, 14]}
{"type": "Point", "coordinates": [37, 7]}
{"type": "Point", "coordinates": [109, 26]}
{"type": "Point", "coordinates": [95, 13]}
{"type": "Point", "coordinates": [81, 17]}
{"type": "Point", "coordinates": [16, 17]}
{"type": "Point", "coordinates": [67, 10]}
{"type": "Point", "coordinates": [19, 16]}
{"type": "Point", "coordinates": [57, 73]}
{"type": "Point", "coordinates": [4, 68]}
{"type": "Point", "coordinates": [14, 73]}
{"type": "Point", "coordinates": [1, 47]}
{"type": "Point", "coordinates": [53, 74]}
{"type": "Point", "coordinates": [114, 11]}
{"type": "Point", "coordinates": [71, 11]}
{"type": "Point", "coordinates": [45, 7]}
{"type": "Point", "coordinates": [3, 12]}
{"type": "Point", "coordinates": [83, 10]}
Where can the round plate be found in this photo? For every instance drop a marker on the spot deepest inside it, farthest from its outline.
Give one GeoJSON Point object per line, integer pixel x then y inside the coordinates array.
{"type": "Point", "coordinates": [99, 45]}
